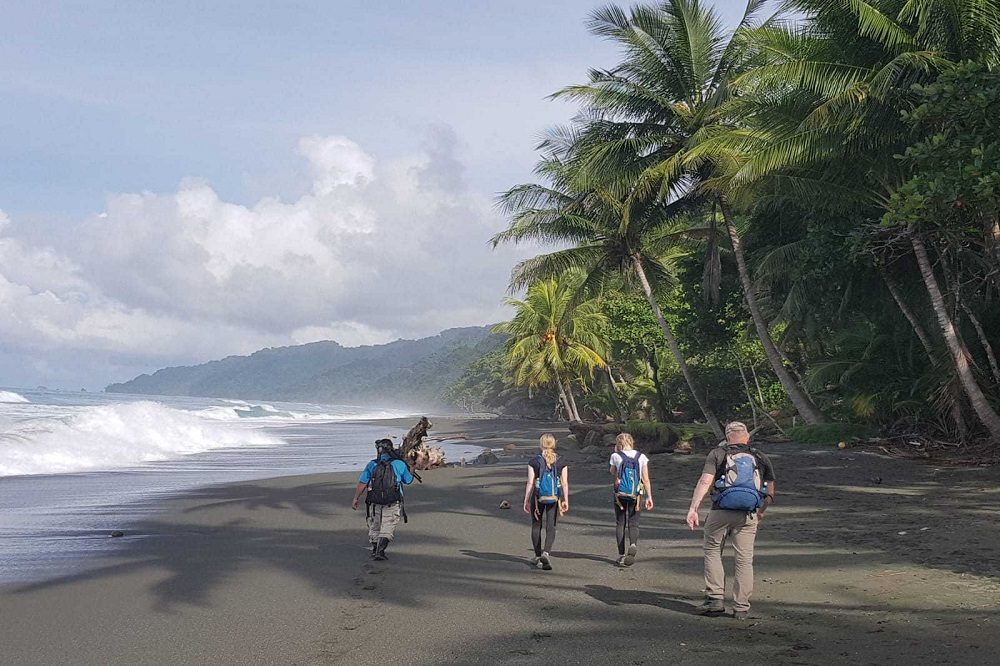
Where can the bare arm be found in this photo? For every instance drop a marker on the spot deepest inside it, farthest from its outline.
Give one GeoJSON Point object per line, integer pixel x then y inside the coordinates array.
{"type": "Point", "coordinates": [357, 495]}
{"type": "Point", "coordinates": [565, 488]}
{"type": "Point", "coordinates": [768, 500]}
{"type": "Point", "coordinates": [700, 490]}
{"type": "Point", "coordinates": [528, 487]}
{"type": "Point", "coordinates": [648, 486]}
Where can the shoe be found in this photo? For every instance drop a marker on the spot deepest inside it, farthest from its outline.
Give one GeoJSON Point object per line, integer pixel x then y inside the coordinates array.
{"type": "Point", "coordinates": [630, 555]}
{"type": "Point", "coordinates": [712, 607]}
{"type": "Point", "coordinates": [741, 615]}
{"type": "Point", "coordinates": [621, 562]}
{"type": "Point", "coordinates": [380, 547]}
{"type": "Point", "coordinates": [374, 547]}
{"type": "Point", "coordinates": [546, 564]}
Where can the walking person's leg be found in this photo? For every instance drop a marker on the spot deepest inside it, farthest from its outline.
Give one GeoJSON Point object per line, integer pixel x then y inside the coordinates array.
{"type": "Point", "coordinates": [743, 538]}
{"type": "Point", "coordinates": [389, 518]}
{"type": "Point", "coordinates": [632, 521]}
{"type": "Point", "coordinates": [374, 525]}
{"type": "Point", "coordinates": [620, 516]}
{"type": "Point", "coordinates": [716, 531]}
{"type": "Point", "coordinates": [548, 516]}
{"type": "Point", "coordinates": [536, 529]}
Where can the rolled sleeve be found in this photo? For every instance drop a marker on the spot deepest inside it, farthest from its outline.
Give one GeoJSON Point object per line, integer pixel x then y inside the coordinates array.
{"type": "Point", "coordinates": [403, 472]}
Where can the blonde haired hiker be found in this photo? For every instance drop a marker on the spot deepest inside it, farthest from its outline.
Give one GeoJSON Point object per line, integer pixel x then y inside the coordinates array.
{"type": "Point", "coordinates": [546, 497]}
{"type": "Point", "coordinates": [742, 482]}
{"type": "Point", "coordinates": [630, 470]}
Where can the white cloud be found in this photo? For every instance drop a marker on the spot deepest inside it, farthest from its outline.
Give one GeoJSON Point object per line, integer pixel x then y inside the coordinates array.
{"type": "Point", "coordinates": [371, 252]}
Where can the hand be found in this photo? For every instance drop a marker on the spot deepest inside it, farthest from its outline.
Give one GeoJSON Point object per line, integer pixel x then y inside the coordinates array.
{"type": "Point", "coordinates": [692, 518]}
{"type": "Point", "coordinates": [526, 508]}
{"type": "Point", "coordinates": [563, 507]}
{"type": "Point", "coordinates": [354, 504]}
{"type": "Point", "coordinates": [649, 504]}
{"type": "Point", "coordinates": [760, 515]}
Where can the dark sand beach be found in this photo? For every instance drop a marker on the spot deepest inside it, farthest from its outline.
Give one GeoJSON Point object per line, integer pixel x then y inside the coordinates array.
{"type": "Point", "coordinates": [849, 571]}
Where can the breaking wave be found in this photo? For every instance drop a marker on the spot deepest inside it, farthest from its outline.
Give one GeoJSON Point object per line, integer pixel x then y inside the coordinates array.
{"type": "Point", "coordinates": [10, 396]}
{"type": "Point", "coordinates": [115, 436]}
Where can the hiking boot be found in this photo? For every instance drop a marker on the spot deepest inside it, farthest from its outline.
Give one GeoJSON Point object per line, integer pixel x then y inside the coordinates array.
{"type": "Point", "coordinates": [380, 547]}
{"type": "Point", "coordinates": [630, 555]}
{"type": "Point", "coordinates": [712, 607]}
{"type": "Point", "coordinates": [374, 547]}
{"type": "Point", "coordinates": [741, 615]}
{"type": "Point", "coordinates": [620, 561]}
{"type": "Point", "coordinates": [544, 560]}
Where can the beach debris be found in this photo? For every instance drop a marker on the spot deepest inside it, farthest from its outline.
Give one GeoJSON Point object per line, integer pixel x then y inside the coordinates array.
{"type": "Point", "coordinates": [487, 458]}
{"type": "Point", "coordinates": [684, 448]}
{"type": "Point", "coordinates": [876, 480]}
{"type": "Point", "coordinates": [903, 533]}
{"type": "Point", "coordinates": [505, 504]}
{"type": "Point", "coordinates": [117, 533]}
{"type": "Point", "coordinates": [509, 447]}
{"type": "Point", "coordinates": [414, 451]}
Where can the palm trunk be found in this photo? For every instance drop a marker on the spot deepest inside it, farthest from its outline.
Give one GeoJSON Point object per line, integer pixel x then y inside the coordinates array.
{"type": "Point", "coordinates": [572, 401]}
{"type": "Point", "coordinates": [614, 395]}
{"type": "Point", "coordinates": [661, 397]}
{"type": "Point", "coordinates": [675, 349]}
{"type": "Point", "coordinates": [925, 341]}
{"type": "Point", "coordinates": [918, 330]}
{"type": "Point", "coordinates": [984, 341]}
{"type": "Point", "coordinates": [564, 400]}
{"type": "Point", "coordinates": [984, 411]}
{"type": "Point", "coordinates": [810, 413]}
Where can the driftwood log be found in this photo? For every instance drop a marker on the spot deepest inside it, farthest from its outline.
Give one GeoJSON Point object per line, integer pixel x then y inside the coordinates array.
{"type": "Point", "coordinates": [416, 452]}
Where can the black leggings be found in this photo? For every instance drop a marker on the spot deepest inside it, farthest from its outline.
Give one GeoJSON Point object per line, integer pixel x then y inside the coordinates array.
{"type": "Point", "coordinates": [547, 513]}
{"type": "Point", "coordinates": [625, 513]}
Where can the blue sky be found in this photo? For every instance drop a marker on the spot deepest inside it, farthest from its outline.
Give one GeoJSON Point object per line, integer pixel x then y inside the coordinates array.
{"type": "Point", "coordinates": [137, 137]}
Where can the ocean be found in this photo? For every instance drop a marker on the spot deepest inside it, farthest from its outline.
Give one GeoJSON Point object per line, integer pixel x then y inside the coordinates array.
{"type": "Point", "coordinates": [75, 466]}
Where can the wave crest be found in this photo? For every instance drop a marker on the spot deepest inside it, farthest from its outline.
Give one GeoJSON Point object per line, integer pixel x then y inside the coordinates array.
{"type": "Point", "coordinates": [115, 436]}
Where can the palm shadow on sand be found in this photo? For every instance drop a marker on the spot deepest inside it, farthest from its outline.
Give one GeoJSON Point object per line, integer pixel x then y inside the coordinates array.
{"type": "Point", "coordinates": [613, 597]}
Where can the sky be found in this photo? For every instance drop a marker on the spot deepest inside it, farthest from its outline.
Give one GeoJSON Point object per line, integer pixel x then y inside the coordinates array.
{"type": "Point", "coordinates": [184, 181]}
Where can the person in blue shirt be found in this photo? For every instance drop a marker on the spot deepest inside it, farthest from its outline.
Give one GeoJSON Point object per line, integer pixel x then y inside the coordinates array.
{"type": "Point", "coordinates": [383, 479]}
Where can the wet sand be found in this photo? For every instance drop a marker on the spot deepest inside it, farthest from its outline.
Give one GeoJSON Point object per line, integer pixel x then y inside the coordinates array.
{"type": "Point", "coordinates": [863, 560]}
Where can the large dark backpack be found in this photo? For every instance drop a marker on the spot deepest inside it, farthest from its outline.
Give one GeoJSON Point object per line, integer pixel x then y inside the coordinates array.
{"type": "Point", "coordinates": [383, 486]}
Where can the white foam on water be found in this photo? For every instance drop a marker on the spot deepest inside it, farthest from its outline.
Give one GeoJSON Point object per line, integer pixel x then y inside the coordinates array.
{"type": "Point", "coordinates": [246, 410]}
{"type": "Point", "coordinates": [10, 396]}
{"type": "Point", "coordinates": [115, 436]}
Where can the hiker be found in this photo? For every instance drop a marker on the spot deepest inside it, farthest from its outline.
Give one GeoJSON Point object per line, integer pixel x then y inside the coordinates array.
{"type": "Point", "coordinates": [630, 470]}
{"type": "Point", "coordinates": [742, 482]}
{"type": "Point", "coordinates": [546, 497]}
{"type": "Point", "coordinates": [383, 479]}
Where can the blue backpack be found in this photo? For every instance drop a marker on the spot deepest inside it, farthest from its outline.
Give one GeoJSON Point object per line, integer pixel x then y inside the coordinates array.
{"type": "Point", "coordinates": [629, 477]}
{"type": "Point", "coordinates": [547, 485]}
{"type": "Point", "coordinates": [739, 488]}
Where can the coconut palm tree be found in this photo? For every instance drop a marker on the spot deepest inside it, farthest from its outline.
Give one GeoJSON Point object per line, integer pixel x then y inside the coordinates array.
{"type": "Point", "coordinates": [554, 336]}
{"type": "Point", "coordinates": [852, 73]}
{"type": "Point", "coordinates": [611, 239]}
{"type": "Point", "coordinates": [671, 91]}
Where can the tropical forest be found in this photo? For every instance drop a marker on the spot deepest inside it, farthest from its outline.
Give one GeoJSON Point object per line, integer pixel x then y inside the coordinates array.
{"type": "Point", "coordinates": [792, 222]}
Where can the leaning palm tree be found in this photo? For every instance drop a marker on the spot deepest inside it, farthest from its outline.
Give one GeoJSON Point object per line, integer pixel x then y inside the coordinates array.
{"type": "Point", "coordinates": [671, 91]}
{"type": "Point", "coordinates": [852, 72]}
{"type": "Point", "coordinates": [611, 238]}
{"type": "Point", "coordinates": [554, 336]}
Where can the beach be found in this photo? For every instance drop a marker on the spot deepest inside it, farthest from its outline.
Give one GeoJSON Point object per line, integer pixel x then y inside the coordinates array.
{"type": "Point", "coordinates": [862, 560]}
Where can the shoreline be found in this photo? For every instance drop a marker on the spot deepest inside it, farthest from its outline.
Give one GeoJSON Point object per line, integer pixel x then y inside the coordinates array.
{"type": "Point", "coordinates": [277, 571]}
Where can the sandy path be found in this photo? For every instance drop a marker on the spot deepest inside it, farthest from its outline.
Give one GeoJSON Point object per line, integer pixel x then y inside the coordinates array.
{"type": "Point", "coordinates": [276, 572]}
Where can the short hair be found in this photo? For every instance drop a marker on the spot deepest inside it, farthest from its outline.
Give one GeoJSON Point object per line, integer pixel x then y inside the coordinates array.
{"type": "Point", "coordinates": [736, 426]}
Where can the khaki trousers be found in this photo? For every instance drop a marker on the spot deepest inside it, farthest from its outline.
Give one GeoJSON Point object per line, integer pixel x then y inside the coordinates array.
{"type": "Point", "coordinates": [741, 529]}
{"type": "Point", "coordinates": [382, 523]}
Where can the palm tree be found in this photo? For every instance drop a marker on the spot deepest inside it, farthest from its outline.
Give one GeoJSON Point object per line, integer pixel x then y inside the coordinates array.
{"type": "Point", "coordinates": [611, 239]}
{"type": "Point", "coordinates": [852, 72]}
{"type": "Point", "coordinates": [670, 92]}
{"type": "Point", "coordinates": [554, 337]}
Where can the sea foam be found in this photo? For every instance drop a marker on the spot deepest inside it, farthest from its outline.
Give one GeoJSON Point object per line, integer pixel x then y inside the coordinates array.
{"type": "Point", "coordinates": [115, 436]}
{"type": "Point", "coordinates": [10, 396]}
